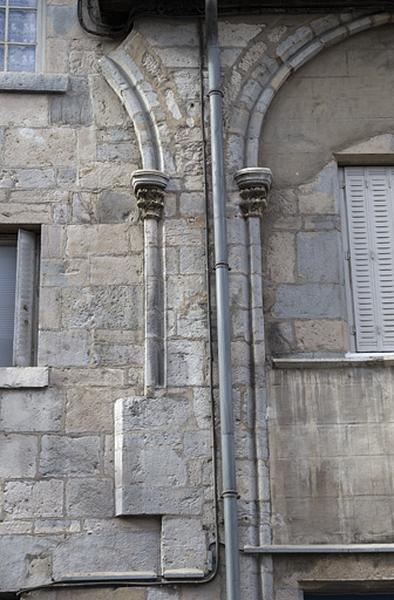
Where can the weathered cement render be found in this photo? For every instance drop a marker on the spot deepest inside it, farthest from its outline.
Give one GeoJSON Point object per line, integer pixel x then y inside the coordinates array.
{"type": "Point", "coordinates": [329, 429]}
{"type": "Point", "coordinates": [67, 164]}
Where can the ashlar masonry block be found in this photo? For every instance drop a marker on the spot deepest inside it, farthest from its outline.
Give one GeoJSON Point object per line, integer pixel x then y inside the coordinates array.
{"type": "Point", "coordinates": [152, 456]}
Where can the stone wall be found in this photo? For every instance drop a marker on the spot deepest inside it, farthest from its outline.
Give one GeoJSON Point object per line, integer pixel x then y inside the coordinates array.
{"type": "Point", "coordinates": [66, 161]}
{"type": "Point", "coordinates": [335, 101]}
{"type": "Point", "coordinates": [66, 166]}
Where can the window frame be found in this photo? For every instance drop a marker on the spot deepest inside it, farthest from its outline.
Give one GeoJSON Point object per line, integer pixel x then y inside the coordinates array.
{"type": "Point", "coordinates": [40, 39]}
{"type": "Point", "coordinates": [9, 240]}
{"type": "Point", "coordinates": [346, 261]}
{"type": "Point", "coordinates": [25, 336]}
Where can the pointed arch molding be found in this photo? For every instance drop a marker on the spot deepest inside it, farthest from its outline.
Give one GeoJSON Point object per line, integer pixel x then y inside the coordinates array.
{"type": "Point", "coordinates": [126, 79]}
{"type": "Point", "coordinates": [254, 101]}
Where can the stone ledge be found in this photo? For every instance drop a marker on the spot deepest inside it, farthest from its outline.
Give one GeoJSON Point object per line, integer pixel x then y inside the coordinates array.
{"type": "Point", "coordinates": [320, 549]}
{"type": "Point", "coordinates": [191, 573]}
{"type": "Point", "coordinates": [33, 83]}
{"type": "Point", "coordinates": [111, 576]}
{"type": "Point", "coordinates": [348, 360]}
{"type": "Point", "coordinates": [23, 377]}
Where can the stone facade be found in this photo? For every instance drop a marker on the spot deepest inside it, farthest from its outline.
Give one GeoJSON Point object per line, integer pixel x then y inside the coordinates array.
{"type": "Point", "coordinates": [109, 465]}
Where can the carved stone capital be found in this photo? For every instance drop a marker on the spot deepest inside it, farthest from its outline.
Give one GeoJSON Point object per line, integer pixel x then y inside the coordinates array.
{"type": "Point", "coordinates": [149, 188]}
{"type": "Point", "coordinates": [254, 185]}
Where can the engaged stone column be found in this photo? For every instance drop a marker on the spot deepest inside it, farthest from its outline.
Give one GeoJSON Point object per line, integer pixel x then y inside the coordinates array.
{"type": "Point", "coordinates": [254, 185]}
{"type": "Point", "coordinates": [149, 189]}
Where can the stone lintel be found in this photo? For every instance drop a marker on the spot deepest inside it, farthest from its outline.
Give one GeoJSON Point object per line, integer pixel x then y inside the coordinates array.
{"type": "Point", "coordinates": [149, 186]}
{"type": "Point", "coordinates": [254, 185]}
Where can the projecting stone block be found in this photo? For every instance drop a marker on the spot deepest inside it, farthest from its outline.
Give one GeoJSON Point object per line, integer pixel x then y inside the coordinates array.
{"type": "Point", "coordinates": [142, 500]}
{"type": "Point", "coordinates": [154, 439]}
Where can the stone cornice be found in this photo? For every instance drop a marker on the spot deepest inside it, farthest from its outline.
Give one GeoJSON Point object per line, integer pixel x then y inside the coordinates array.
{"type": "Point", "coordinates": [254, 185]}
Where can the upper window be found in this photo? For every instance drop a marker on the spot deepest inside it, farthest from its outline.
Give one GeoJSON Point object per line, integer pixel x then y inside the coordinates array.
{"type": "Point", "coordinates": [18, 35]}
{"type": "Point", "coordinates": [369, 194]}
{"type": "Point", "coordinates": [18, 298]}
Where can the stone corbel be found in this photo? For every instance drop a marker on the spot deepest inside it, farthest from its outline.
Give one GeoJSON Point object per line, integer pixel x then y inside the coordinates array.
{"type": "Point", "coordinates": [254, 184]}
{"type": "Point", "coordinates": [149, 189]}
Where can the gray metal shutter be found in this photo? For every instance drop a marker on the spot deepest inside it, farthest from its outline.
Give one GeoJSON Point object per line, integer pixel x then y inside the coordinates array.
{"type": "Point", "coordinates": [369, 196]}
{"type": "Point", "coordinates": [7, 302]}
{"type": "Point", "coordinates": [25, 291]}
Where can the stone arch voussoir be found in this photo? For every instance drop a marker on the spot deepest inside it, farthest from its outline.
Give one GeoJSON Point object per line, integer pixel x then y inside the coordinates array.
{"type": "Point", "coordinates": [141, 102]}
{"type": "Point", "coordinates": [254, 100]}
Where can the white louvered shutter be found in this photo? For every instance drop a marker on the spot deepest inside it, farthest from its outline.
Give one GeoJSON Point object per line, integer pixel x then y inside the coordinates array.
{"type": "Point", "coordinates": [25, 292]}
{"type": "Point", "coordinates": [369, 196]}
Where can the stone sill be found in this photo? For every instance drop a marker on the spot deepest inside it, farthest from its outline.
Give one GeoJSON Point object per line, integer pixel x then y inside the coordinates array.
{"type": "Point", "coordinates": [24, 377]}
{"type": "Point", "coordinates": [188, 573]}
{"type": "Point", "coordinates": [104, 577]}
{"type": "Point", "coordinates": [320, 549]}
{"type": "Point", "coordinates": [33, 83]}
{"type": "Point", "coordinates": [348, 360]}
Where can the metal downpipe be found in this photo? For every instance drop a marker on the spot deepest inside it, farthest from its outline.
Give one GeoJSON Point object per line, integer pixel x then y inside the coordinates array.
{"type": "Point", "coordinates": [222, 299]}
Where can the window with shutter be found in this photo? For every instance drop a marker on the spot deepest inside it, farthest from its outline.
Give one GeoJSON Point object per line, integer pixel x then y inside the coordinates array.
{"type": "Point", "coordinates": [18, 292]}
{"type": "Point", "coordinates": [369, 201]}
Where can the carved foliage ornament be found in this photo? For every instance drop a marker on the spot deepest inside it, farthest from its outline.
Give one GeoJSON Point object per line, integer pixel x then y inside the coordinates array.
{"type": "Point", "coordinates": [254, 185]}
{"type": "Point", "coordinates": [150, 201]}
{"type": "Point", "coordinates": [149, 189]}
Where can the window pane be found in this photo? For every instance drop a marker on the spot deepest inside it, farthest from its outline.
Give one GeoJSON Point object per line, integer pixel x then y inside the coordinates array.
{"type": "Point", "coordinates": [22, 26]}
{"type": "Point", "coordinates": [21, 58]}
{"type": "Point", "coordinates": [7, 303]}
{"type": "Point", "coordinates": [28, 3]}
{"type": "Point", "coordinates": [2, 24]}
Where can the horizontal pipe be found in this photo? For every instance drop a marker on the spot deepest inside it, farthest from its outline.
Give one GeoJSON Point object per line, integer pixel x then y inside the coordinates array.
{"type": "Point", "coordinates": [319, 549]}
{"type": "Point", "coordinates": [134, 578]}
